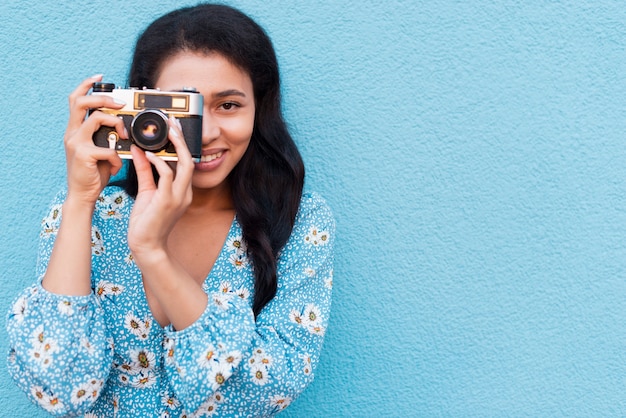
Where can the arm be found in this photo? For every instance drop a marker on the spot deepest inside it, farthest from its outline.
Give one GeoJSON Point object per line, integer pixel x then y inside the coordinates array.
{"type": "Point", "coordinates": [58, 345]}
{"type": "Point", "coordinates": [88, 171]}
{"type": "Point", "coordinates": [225, 360]}
{"type": "Point", "coordinates": [157, 209]}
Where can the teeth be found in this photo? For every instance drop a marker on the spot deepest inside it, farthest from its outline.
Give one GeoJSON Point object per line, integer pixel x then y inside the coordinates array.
{"type": "Point", "coordinates": [207, 158]}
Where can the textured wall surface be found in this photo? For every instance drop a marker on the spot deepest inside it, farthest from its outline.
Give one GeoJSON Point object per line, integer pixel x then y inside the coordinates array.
{"type": "Point", "coordinates": [474, 154]}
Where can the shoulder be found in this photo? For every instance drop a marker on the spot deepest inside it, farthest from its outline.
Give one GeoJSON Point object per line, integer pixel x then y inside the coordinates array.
{"type": "Point", "coordinates": [313, 207]}
{"type": "Point", "coordinates": [315, 223]}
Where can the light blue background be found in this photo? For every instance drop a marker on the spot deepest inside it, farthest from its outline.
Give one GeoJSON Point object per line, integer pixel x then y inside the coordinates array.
{"type": "Point", "coordinates": [474, 155]}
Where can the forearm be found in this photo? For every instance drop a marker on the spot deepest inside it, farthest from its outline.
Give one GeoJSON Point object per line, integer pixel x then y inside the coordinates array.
{"type": "Point", "coordinates": [69, 268]}
{"type": "Point", "coordinates": [179, 296]}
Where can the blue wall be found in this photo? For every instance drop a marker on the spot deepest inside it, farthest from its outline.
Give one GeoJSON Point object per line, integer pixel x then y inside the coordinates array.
{"type": "Point", "coordinates": [474, 154]}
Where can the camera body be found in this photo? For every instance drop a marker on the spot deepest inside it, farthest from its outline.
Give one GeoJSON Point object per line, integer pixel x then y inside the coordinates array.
{"type": "Point", "coordinates": [145, 117]}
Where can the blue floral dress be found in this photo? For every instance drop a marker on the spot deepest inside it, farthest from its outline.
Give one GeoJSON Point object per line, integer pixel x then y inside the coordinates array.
{"type": "Point", "coordinates": [104, 355]}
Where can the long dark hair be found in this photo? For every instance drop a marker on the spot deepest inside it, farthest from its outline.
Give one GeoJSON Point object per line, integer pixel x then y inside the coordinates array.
{"type": "Point", "coordinates": [267, 182]}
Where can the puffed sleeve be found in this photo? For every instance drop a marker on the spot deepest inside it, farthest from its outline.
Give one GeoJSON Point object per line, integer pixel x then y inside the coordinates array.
{"type": "Point", "coordinates": [59, 349]}
{"type": "Point", "coordinates": [228, 363]}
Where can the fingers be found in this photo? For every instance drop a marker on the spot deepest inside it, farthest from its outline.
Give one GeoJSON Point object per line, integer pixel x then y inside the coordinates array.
{"type": "Point", "coordinates": [77, 114]}
{"type": "Point", "coordinates": [99, 119]}
{"type": "Point", "coordinates": [109, 156]}
{"type": "Point", "coordinates": [176, 185]}
{"type": "Point", "coordinates": [145, 179]}
{"type": "Point", "coordinates": [185, 165]}
{"type": "Point", "coordinates": [80, 102]}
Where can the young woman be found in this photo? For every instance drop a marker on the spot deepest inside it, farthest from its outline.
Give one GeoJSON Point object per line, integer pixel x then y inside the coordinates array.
{"type": "Point", "coordinates": [197, 289]}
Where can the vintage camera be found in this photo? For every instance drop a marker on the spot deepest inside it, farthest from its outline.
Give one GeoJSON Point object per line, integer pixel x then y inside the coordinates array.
{"type": "Point", "coordinates": [145, 117]}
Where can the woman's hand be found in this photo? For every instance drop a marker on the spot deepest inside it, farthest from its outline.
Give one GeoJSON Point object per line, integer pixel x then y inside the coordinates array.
{"type": "Point", "coordinates": [88, 170]}
{"type": "Point", "coordinates": [158, 207]}
{"type": "Point", "coordinates": [89, 167]}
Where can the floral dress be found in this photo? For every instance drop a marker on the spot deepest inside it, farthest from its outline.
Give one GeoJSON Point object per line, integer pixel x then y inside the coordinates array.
{"type": "Point", "coordinates": [104, 355]}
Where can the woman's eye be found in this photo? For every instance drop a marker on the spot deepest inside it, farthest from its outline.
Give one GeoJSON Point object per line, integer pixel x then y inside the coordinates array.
{"type": "Point", "coordinates": [229, 106]}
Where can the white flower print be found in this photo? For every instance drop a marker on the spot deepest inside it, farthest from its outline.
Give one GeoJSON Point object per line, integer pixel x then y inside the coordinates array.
{"type": "Point", "coordinates": [111, 205]}
{"type": "Point", "coordinates": [207, 409]}
{"type": "Point", "coordinates": [168, 347]}
{"type": "Point", "coordinates": [208, 357]}
{"type": "Point", "coordinates": [238, 260]}
{"type": "Point", "coordinates": [311, 315]}
{"type": "Point", "coordinates": [50, 224]}
{"type": "Point", "coordinates": [259, 376]}
{"type": "Point", "coordinates": [142, 359]}
{"type": "Point", "coordinates": [262, 358]}
{"type": "Point", "coordinates": [144, 354]}
{"type": "Point", "coordinates": [124, 378]}
{"type": "Point", "coordinates": [316, 237]}
{"type": "Point", "coordinates": [237, 244]}
{"type": "Point", "coordinates": [128, 369]}
{"type": "Point", "coordinates": [296, 316]}
{"type": "Point", "coordinates": [39, 394]}
{"type": "Point", "coordinates": [243, 293]}
{"type": "Point", "coordinates": [259, 363]}
{"type": "Point", "coordinates": [218, 374]}
{"type": "Point", "coordinates": [170, 401]}
{"type": "Point", "coordinates": [106, 288]}
{"type": "Point", "coordinates": [280, 402]}
{"type": "Point", "coordinates": [65, 307]}
{"type": "Point", "coordinates": [225, 287]}
{"type": "Point", "coordinates": [310, 318]}
{"type": "Point", "coordinates": [137, 327]}
{"type": "Point", "coordinates": [239, 250]}
{"type": "Point", "coordinates": [308, 368]}
{"type": "Point", "coordinates": [81, 394]}
{"type": "Point", "coordinates": [233, 358]}
{"type": "Point", "coordinates": [222, 300]}
{"type": "Point", "coordinates": [95, 386]}
{"type": "Point", "coordinates": [19, 309]}
{"type": "Point", "coordinates": [46, 399]}
{"type": "Point", "coordinates": [143, 380]}
{"type": "Point", "coordinates": [97, 243]}
{"type": "Point", "coordinates": [116, 404]}
{"type": "Point", "coordinates": [328, 282]}
{"type": "Point", "coordinates": [42, 347]}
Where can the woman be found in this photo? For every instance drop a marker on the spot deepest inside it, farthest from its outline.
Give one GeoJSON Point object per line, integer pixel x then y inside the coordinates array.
{"type": "Point", "coordinates": [196, 290]}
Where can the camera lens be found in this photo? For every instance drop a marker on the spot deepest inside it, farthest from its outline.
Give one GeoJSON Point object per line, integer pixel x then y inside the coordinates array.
{"type": "Point", "coordinates": [149, 130]}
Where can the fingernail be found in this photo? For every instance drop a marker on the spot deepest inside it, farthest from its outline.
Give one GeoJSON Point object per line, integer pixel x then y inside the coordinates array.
{"type": "Point", "coordinates": [149, 154]}
{"type": "Point", "coordinates": [97, 76]}
{"type": "Point", "coordinates": [119, 101]}
{"type": "Point", "coordinates": [178, 123]}
{"type": "Point", "coordinates": [126, 132]}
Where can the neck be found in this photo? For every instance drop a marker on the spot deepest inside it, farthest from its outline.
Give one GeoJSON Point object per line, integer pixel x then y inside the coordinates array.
{"type": "Point", "coordinates": [216, 199]}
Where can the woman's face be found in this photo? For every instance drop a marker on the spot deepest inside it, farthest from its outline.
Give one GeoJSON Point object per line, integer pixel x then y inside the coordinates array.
{"type": "Point", "coordinates": [228, 114]}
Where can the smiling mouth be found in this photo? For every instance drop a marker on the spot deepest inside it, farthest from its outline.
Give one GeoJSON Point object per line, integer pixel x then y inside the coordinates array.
{"type": "Point", "coordinates": [210, 157]}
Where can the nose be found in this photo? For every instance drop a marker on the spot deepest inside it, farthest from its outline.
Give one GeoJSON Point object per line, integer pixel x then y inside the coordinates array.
{"type": "Point", "coordinates": [210, 128]}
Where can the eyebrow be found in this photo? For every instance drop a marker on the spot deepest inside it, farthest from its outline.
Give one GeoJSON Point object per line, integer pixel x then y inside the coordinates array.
{"type": "Point", "coordinates": [231, 92]}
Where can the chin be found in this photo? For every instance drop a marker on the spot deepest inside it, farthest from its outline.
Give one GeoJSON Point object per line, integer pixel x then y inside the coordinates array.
{"type": "Point", "coordinates": [207, 184]}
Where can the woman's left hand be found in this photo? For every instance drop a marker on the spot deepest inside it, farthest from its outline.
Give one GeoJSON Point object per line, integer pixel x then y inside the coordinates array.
{"type": "Point", "coordinates": [159, 206]}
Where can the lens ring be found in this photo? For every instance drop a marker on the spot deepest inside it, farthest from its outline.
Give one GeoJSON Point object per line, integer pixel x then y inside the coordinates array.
{"type": "Point", "coordinates": [149, 130]}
